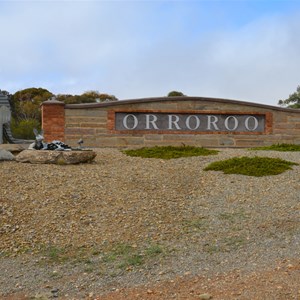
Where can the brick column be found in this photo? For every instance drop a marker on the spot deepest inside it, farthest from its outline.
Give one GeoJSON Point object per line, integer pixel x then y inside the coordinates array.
{"type": "Point", "coordinates": [53, 120]}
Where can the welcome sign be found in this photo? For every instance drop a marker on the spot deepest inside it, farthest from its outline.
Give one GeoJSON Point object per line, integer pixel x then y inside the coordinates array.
{"type": "Point", "coordinates": [190, 122]}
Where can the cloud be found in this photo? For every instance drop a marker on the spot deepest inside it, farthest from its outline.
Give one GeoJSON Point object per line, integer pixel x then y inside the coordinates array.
{"type": "Point", "coordinates": [142, 49]}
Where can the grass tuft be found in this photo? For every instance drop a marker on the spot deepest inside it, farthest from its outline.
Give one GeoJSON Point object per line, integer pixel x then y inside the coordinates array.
{"type": "Point", "coordinates": [169, 152]}
{"type": "Point", "coordinates": [251, 166]}
{"type": "Point", "coordinates": [279, 147]}
{"type": "Point", "coordinates": [153, 250]}
{"type": "Point", "coordinates": [126, 257]}
{"type": "Point", "coordinates": [56, 254]}
{"type": "Point", "coordinates": [199, 223]}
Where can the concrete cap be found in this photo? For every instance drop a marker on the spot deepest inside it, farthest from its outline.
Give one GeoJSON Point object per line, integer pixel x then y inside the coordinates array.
{"type": "Point", "coordinates": [52, 101]}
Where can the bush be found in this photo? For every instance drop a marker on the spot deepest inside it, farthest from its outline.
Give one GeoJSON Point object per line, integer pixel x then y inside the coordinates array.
{"type": "Point", "coordinates": [24, 129]}
{"type": "Point", "coordinates": [279, 147]}
{"type": "Point", "coordinates": [169, 152]}
{"type": "Point", "coordinates": [175, 94]}
{"type": "Point", "coordinates": [251, 166]}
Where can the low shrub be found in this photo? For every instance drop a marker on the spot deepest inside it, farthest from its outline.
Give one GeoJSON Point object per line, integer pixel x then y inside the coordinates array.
{"type": "Point", "coordinates": [24, 129]}
{"type": "Point", "coordinates": [251, 166]}
{"type": "Point", "coordinates": [169, 152]}
{"type": "Point", "coordinates": [279, 147]}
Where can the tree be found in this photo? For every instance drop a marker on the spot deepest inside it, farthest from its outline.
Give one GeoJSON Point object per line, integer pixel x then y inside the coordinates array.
{"type": "Point", "coordinates": [72, 99]}
{"type": "Point", "coordinates": [99, 97]}
{"type": "Point", "coordinates": [293, 101]}
{"type": "Point", "coordinates": [24, 128]}
{"type": "Point", "coordinates": [26, 103]}
{"type": "Point", "coordinates": [175, 94]}
{"type": "Point", "coordinates": [26, 112]}
{"type": "Point", "coordinates": [86, 97]}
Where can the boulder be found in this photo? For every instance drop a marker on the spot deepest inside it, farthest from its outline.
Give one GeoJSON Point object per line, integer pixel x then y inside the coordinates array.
{"type": "Point", "coordinates": [56, 157]}
{"type": "Point", "coordinates": [6, 155]}
{"type": "Point", "coordinates": [13, 148]}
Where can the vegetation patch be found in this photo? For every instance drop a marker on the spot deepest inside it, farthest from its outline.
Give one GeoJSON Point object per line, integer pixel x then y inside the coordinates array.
{"type": "Point", "coordinates": [234, 242]}
{"type": "Point", "coordinates": [211, 248]}
{"type": "Point", "coordinates": [153, 250]}
{"type": "Point", "coordinates": [125, 256]}
{"type": "Point", "coordinates": [169, 152]}
{"type": "Point", "coordinates": [195, 224]}
{"type": "Point", "coordinates": [279, 147]}
{"type": "Point", "coordinates": [55, 254]}
{"type": "Point", "coordinates": [227, 244]}
{"type": "Point", "coordinates": [232, 217]}
{"type": "Point", "coordinates": [251, 166]}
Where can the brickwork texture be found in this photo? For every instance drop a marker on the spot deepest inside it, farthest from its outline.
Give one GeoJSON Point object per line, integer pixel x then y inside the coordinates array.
{"type": "Point", "coordinates": [95, 123]}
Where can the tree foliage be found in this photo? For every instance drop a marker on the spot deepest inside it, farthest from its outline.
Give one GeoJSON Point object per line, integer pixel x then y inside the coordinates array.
{"type": "Point", "coordinates": [26, 103]}
{"type": "Point", "coordinates": [26, 111]}
{"type": "Point", "coordinates": [293, 101]}
{"type": "Point", "coordinates": [24, 128]}
{"type": "Point", "coordinates": [175, 94]}
{"type": "Point", "coordinates": [26, 107]}
{"type": "Point", "coordinates": [86, 97]}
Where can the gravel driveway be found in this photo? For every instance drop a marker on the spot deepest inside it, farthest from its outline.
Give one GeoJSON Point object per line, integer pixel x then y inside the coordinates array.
{"type": "Point", "coordinates": [79, 231]}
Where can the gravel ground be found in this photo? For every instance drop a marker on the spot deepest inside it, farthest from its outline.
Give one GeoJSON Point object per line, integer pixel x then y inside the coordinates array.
{"type": "Point", "coordinates": [81, 231]}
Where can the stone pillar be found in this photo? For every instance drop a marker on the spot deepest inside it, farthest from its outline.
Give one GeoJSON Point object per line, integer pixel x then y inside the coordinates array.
{"type": "Point", "coordinates": [53, 120]}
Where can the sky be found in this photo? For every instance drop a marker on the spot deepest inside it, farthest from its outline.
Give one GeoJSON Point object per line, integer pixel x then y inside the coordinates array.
{"type": "Point", "coordinates": [241, 49]}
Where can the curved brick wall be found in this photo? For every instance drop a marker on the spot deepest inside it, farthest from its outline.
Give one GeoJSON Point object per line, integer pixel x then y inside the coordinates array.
{"type": "Point", "coordinates": [199, 121]}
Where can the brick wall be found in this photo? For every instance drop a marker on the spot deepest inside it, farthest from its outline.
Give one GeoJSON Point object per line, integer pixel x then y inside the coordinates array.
{"type": "Point", "coordinates": [95, 123]}
{"type": "Point", "coordinates": [53, 120]}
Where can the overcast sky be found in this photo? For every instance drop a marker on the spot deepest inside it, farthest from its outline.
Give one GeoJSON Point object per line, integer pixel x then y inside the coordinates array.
{"type": "Point", "coordinates": [244, 50]}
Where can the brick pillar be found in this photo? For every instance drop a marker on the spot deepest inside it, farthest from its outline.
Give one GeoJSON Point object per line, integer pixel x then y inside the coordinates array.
{"type": "Point", "coordinates": [53, 120]}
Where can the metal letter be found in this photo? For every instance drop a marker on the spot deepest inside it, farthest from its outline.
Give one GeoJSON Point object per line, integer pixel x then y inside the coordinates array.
{"type": "Point", "coordinates": [212, 122]}
{"type": "Point", "coordinates": [135, 122]}
{"type": "Point", "coordinates": [148, 121]}
{"type": "Point", "coordinates": [188, 125]}
{"type": "Point", "coordinates": [247, 123]}
{"type": "Point", "coordinates": [236, 123]}
{"type": "Point", "coordinates": [175, 122]}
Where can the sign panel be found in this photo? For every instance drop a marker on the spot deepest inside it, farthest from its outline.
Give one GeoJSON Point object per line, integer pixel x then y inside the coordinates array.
{"type": "Point", "coordinates": [140, 121]}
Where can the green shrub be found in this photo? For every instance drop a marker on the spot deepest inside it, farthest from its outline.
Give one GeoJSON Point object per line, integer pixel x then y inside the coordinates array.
{"type": "Point", "coordinates": [24, 129]}
{"type": "Point", "coordinates": [169, 152]}
{"type": "Point", "coordinates": [279, 147]}
{"type": "Point", "coordinates": [251, 166]}
{"type": "Point", "coordinates": [175, 94]}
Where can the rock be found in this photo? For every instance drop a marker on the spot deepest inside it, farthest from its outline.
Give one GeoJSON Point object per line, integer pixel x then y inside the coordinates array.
{"type": "Point", "coordinates": [226, 142]}
{"type": "Point", "coordinates": [6, 155]}
{"type": "Point", "coordinates": [13, 148]}
{"type": "Point", "coordinates": [56, 157]}
{"type": "Point", "coordinates": [205, 296]}
{"type": "Point", "coordinates": [42, 296]}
